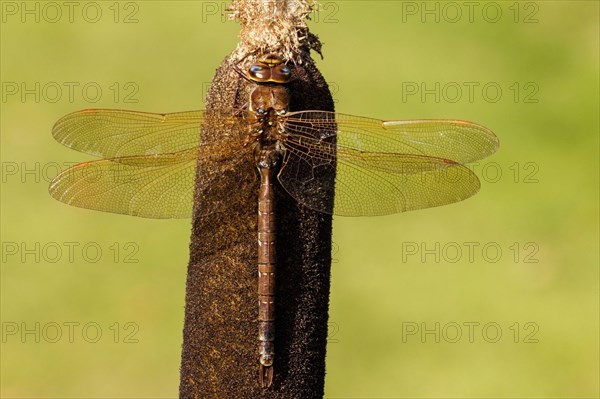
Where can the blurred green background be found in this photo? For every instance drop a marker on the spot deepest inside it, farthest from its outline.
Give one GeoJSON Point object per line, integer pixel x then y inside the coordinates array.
{"type": "Point", "coordinates": [413, 312]}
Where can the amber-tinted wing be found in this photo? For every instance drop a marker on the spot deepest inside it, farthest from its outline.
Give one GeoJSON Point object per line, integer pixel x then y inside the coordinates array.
{"type": "Point", "coordinates": [110, 133]}
{"type": "Point", "coordinates": [380, 167]}
{"type": "Point", "coordinates": [151, 167]}
{"type": "Point", "coordinates": [153, 187]}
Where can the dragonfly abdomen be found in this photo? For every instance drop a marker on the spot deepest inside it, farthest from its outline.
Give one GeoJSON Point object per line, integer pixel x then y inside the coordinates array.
{"type": "Point", "coordinates": [266, 266]}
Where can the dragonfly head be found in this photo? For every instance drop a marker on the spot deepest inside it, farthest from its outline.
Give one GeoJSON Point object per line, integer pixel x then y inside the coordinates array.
{"type": "Point", "coordinates": [270, 68]}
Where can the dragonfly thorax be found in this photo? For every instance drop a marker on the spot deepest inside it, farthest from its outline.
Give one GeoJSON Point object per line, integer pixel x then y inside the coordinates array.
{"type": "Point", "coordinates": [265, 98]}
{"type": "Point", "coordinates": [268, 103]}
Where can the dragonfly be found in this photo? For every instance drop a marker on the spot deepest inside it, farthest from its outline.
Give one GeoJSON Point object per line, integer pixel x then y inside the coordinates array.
{"type": "Point", "coordinates": [149, 161]}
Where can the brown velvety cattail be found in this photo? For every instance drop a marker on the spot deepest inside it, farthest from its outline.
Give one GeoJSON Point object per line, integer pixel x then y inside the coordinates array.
{"type": "Point", "coordinates": [220, 355]}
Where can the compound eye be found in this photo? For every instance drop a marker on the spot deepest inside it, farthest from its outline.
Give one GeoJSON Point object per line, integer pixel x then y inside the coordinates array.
{"type": "Point", "coordinates": [281, 74]}
{"type": "Point", "coordinates": [286, 72]}
{"type": "Point", "coordinates": [259, 73]}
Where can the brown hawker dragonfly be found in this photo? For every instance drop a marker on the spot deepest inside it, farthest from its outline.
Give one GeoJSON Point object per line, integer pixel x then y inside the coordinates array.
{"type": "Point", "coordinates": [380, 168]}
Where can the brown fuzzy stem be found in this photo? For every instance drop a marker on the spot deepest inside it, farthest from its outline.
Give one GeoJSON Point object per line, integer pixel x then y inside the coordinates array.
{"type": "Point", "coordinates": [220, 348]}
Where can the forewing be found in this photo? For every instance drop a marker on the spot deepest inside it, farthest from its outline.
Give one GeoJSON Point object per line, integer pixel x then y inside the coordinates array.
{"type": "Point", "coordinates": [456, 140]}
{"type": "Point", "coordinates": [110, 133]}
{"type": "Point", "coordinates": [379, 171]}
